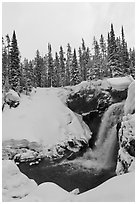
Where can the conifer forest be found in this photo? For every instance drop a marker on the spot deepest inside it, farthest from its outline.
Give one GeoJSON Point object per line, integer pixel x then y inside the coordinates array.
{"type": "Point", "coordinates": [109, 57]}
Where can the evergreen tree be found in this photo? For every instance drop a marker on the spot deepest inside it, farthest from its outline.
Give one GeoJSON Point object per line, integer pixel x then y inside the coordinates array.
{"type": "Point", "coordinates": [132, 62]}
{"type": "Point", "coordinates": [74, 71]}
{"type": "Point", "coordinates": [62, 67]}
{"type": "Point", "coordinates": [80, 63]}
{"type": "Point", "coordinates": [125, 54]}
{"type": "Point", "coordinates": [44, 72]}
{"type": "Point", "coordinates": [56, 73]}
{"type": "Point", "coordinates": [87, 62]}
{"type": "Point", "coordinates": [84, 62]}
{"type": "Point", "coordinates": [103, 56]}
{"type": "Point", "coordinates": [118, 68]}
{"type": "Point", "coordinates": [96, 63]}
{"type": "Point", "coordinates": [50, 66]}
{"type": "Point", "coordinates": [102, 47]}
{"type": "Point", "coordinates": [4, 63]}
{"type": "Point", "coordinates": [14, 74]}
{"type": "Point", "coordinates": [68, 65]}
{"type": "Point", "coordinates": [38, 69]}
{"type": "Point", "coordinates": [112, 58]}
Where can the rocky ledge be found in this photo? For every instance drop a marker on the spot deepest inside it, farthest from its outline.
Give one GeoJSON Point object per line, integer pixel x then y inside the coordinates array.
{"type": "Point", "coordinates": [126, 154]}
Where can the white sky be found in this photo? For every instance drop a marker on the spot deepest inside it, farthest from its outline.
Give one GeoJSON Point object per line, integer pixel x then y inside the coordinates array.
{"type": "Point", "coordinates": [36, 24]}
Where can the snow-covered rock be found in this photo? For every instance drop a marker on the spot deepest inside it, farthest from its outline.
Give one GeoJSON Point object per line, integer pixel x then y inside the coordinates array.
{"type": "Point", "coordinates": [12, 95]}
{"type": "Point", "coordinates": [130, 101]}
{"type": "Point", "coordinates": [117, 189]}
{"type": "Point", "coordinates": [126, 154]}
{"type": "Point", "coordinates": [44, 119]}
{"type": "Point", "coordinates": [15, 185]}
{"type": "Point", "coordinates": [120, 83]}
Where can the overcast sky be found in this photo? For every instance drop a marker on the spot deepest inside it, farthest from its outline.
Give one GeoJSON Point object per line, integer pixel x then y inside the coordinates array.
{"type": "Point", "coordinates": [36, 24]}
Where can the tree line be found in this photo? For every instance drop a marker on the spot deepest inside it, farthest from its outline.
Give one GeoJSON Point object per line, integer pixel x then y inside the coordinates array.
{"type": "Point", "coordinates": [106, 58]}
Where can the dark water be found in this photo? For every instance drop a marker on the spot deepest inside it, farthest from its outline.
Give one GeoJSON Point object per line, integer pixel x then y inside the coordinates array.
{"type": "Point", "coordinates": [67, 175]}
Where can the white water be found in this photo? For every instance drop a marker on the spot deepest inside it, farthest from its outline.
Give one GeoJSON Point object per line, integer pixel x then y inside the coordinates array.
{"type": "Point", "coordinates": [104, 155]}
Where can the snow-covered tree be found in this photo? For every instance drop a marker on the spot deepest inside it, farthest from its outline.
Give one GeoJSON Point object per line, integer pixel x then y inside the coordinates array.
{"type": "Point", "coordinates": [56, 71]}
{"type": "Point", "coordinates": [74, 77]}
{"type": "Point", "coordinates": [14, 72]}
{"type": "Point", "coordinates": [50, 66]}
{"type": "Point", "coordinates": [62, 66]}
{"type": "Point", "coordinates": [125, 55]}
{"type": "Point", "coordinates": [68, 65]}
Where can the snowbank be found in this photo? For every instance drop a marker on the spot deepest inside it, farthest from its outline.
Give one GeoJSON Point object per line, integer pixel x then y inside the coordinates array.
{"type": "Point", "coordinates": [47, 192]}
{"type": "Point", "coordinates": [42, 118]}
{"type": "Point", "coordinates": [15, 185]}
{"type": "Point", "coordinates": [120, 83]}
{"type": "Point", "coordinates": [126, 153]}
{"type": "Point", "coordinates": [117, 189]}
{"type": "Point", "coordinates": [11, 95]}
{"type": "Point", "coordinates": [130, 101]}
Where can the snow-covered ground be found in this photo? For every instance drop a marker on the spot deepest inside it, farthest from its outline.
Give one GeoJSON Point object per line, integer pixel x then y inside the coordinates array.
{"type": "Point", "coordinates": [15, 185]}
{"type": "Point", "coordinates": [117, 189]}
{"type": "Point", "coordinates": [42, 118]}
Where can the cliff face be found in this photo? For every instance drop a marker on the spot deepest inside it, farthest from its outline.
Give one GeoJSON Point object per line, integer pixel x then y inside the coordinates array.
{"type": "Point", "coordinates": [126, 154]}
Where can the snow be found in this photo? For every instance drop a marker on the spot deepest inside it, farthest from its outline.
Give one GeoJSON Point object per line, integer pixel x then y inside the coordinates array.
{"type": "Point", "coordinates": [120, 83]}
{"type": "Point", "coordinates": [42, 118]}
{"type": "Point", "coordinates": [18, 187]}
{"type": "Point", "coordinates": [117, 189]}
{"type": "Point", "coordinates": [47, 192]}
{"type": "Point", "coordinates": [12, 96]}
{"type": "Point", "coordinates": [130, 101]}
{"type": "Point", "coordinates": [15, 185]}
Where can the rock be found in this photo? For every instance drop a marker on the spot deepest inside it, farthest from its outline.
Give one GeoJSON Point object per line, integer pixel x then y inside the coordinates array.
{"type": "Point", "coordinates": [130, 101]}
{"type": "Point", "coordinates": [28, 134]}
{"type": "Point", "coordinates": [120, 83]}
{"type": "Point", "coordinates": [15, 185]}
{"type": "Point", "coordinates": [89, 96]}
{"type": "Point", "coordinates": [126, 154]}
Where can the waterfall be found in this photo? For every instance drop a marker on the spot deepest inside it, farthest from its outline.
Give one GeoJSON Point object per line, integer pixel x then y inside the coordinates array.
{"type": "Point", "coordinates": [104, 155]}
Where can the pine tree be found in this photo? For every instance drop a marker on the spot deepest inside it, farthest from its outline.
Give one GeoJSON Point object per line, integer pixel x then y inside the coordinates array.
{"type": "Point", "coordinates": [132, 62]}
{"type": "Point", "coordinates": [118, 68]}
{"type": "Point", "coordinates": [112, 58]}
{"type": "Point", "coordinates": [80, 63]}
{"type": "Point", "coordinates": [38, 69]}
{"type": "Point", "coordinates": [50, 66]}
{"type": "Point", "coordinates": [68, 65]}
{"type": "Point", "coordinates": [103, 56]}
{"type": "Point", "coordinates": [25, 76]}
{"type": "Point", "coordinates": [88, 60]}
{"type": "Point", "coordinates": [44, 72]}
{"type": "Point", "coordinates": [84, 62]}
{"type": "Point", "coordinates": [31, 73]}
{"type": "Point", "coordinates": [4, 63]}
{"type": "Point", "coordinates": [96, 67]}
{"type": "Point", "coordinates": [62, 67]}
{"type": "Point", "coordinates": [74, 79]}
{"type": "Point", "coordinates": [125, 54]}
{"type": "Point", "coordinates": [14, 74]}
{"type": "Point", "coordinates": [56, 72]}
{"type": "Point", "coordinates": [102, 47]}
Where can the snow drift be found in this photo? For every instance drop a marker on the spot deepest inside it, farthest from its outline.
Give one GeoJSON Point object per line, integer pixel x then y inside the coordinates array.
{"type": "Point", "coordinates": [117, 189]}
{"type": "Point", "coordinates": [43, 118]}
